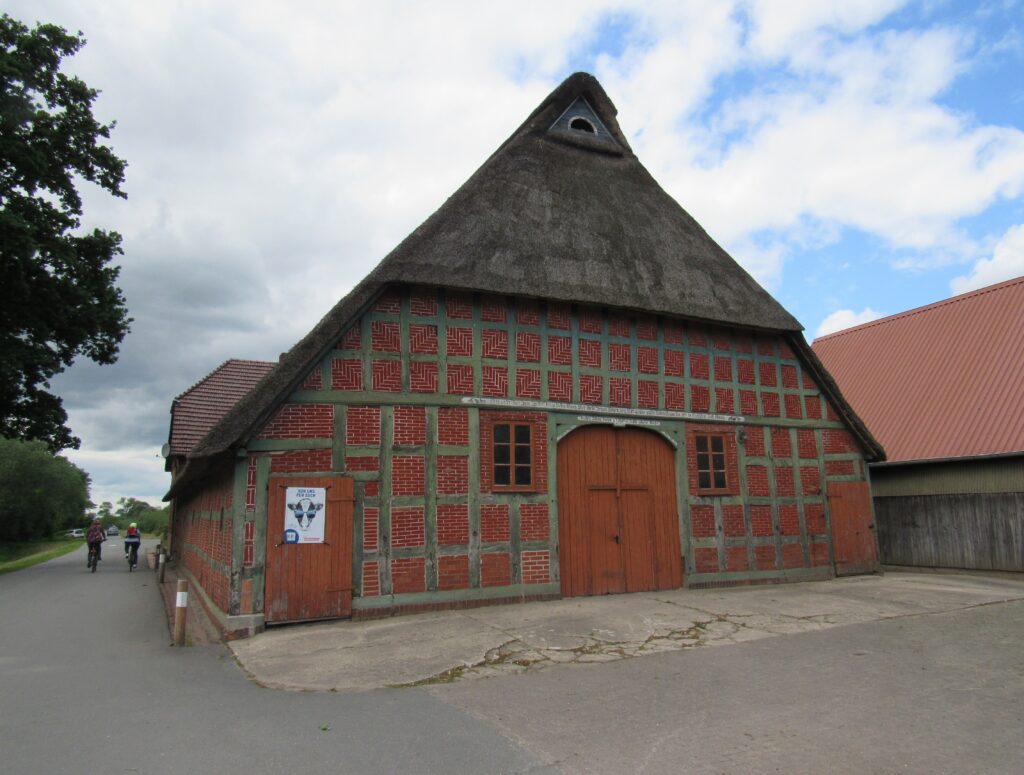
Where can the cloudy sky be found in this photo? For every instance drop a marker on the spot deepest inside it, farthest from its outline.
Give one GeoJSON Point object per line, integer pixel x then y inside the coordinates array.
{"type": "Point", "coordinates": [859, 158]}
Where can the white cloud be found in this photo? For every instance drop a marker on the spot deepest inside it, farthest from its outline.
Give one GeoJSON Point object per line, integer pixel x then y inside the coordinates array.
{"type": "Point", "coordinates": [1007, 262]}
{"type": "Point", "coordinates": [277, 152]}
{"type": "Point", "coordinates": [845, 318]}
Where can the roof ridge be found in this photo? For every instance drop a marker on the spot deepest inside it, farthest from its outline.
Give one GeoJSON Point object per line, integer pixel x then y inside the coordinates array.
{"type": "Point", "coordinates": [218, 369]}
{"type": "Point", "coordinates": [957, 299]}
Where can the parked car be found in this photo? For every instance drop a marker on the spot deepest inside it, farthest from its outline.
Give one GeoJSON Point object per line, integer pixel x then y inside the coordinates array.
{"type": "Point", "coordinates": [76, 533]}
{"type": "Point", "coordinates": [112, 530]}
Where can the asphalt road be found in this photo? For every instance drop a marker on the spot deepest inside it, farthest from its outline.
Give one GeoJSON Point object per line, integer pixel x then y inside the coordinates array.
{"type": "Point", "coordinates": [89, 684]}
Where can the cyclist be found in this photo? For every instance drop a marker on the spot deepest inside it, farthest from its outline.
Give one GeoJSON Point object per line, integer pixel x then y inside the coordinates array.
{"type": "Point", "coordinates": [94, 538]}
{"type": "Point", "coordinates": [132, 542]}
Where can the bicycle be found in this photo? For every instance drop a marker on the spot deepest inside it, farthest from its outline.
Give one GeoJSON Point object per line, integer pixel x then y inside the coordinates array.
{"type": "Point", "coordinates": [94, 558]}
{"type": "Point", "coordinates": [132, 556]}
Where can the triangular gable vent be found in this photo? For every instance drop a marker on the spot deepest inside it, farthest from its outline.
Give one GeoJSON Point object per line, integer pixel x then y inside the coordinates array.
{"type": "Point", "coordinates": [580, 123]}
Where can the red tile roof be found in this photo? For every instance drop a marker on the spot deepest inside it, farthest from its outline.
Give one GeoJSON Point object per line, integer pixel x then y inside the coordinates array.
{"type": "Point", "coordinates": [199, 408]}
{"type": "Point", "coordinates": [941, 381]}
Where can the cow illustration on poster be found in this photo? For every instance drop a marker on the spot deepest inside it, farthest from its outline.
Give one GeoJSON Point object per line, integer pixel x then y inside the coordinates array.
{"type": "Point", "coordinates": [303, 521]}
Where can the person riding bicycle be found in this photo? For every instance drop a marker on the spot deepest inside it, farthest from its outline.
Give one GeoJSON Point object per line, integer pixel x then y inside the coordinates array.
{"type": "Point", "coordinates": [132, 542]}
{"type": "Point", "coordinates": [94, 538]}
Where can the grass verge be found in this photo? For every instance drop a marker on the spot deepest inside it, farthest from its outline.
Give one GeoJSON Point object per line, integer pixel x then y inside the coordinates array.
{"type": "Point", "coordinates": [15, 556]}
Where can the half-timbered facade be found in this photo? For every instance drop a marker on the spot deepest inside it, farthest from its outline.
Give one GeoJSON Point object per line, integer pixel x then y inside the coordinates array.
{"type": "Point", "coordinates": [558, 385]}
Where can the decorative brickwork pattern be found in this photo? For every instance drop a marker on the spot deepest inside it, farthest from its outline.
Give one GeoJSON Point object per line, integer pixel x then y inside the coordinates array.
{"type": "Point", "coordinates": [459, 342]}
{"type": "Point", "coordinates": [620, 391]}
{"type": "Point", "coordinates": [495, 381]}
{"type": "Point", "coordinates": [590, 353]}
{"type": "Point", "coordinates": [559, 386]}
{"type": "Point", "coordinates": [423, 339]}
{"type": "Point", "coordinates": [495, 343]}
{"type": "Point", "coordinates": [390, 303]}
{"type": "Point", "coordinates": [591, 389]}
{"type": "Point", "coordinates": [560, 350]}
{"type": "Point", "coordinates": [527, 347]}
{"type": "Point", "coordinates": [493, 310]}
{"type": "Point", "coordinates": [351, 340]}
{"type": "Point", "coordinates": [422, 377]}
{"type": "Point", "coordinates": [527, 312]}
{"type": "Point", "coordinates": [387, 376]}
{"type": "Point", "coordinates": [675, 396]}
{"type": "Point", "coordinates": [460, 379]}
{"type": "Point", "coordinates": [346, 374]}
{"type": "Point", "coordinates": [313, 381]}
{"type": "Point", "coordinates": [384, 337]}
{"type": "Point", "coordinates": [619, 358]}
{"type": "Point", "coordinates": [527, 383]}
{"type": "Point", "coordinates": [423, 303]}
{"type": "Point", "coordinates": [459, 306]}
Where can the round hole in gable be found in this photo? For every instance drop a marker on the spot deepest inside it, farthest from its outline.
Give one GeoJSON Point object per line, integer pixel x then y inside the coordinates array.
{"type": "Point", "coordinates": [581, 124]}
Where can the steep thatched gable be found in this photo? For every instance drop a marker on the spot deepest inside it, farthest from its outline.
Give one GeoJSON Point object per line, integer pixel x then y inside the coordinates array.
{"type": "Point", "coordinates": [557, 212]}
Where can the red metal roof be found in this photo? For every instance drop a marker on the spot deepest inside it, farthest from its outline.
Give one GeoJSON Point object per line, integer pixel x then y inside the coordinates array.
{"type": "Point", "coordinates": [941, 381]}
{"type": "Point", "coordinates": [199, 408]}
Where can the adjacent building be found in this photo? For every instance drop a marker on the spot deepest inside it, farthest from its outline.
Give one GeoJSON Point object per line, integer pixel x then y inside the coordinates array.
{"type": "Point", "coordinates": [558, 385]}
{"type": "Point", "coordinates": [942, 387]}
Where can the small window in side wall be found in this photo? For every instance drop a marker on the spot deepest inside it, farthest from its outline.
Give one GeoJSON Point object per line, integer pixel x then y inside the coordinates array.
{"type": "Point", "coordinates": [512, 458]}
{"type": "Point", "coordinates": [712, 471]}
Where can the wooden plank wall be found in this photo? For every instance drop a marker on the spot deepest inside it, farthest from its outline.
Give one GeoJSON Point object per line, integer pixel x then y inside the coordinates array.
{"type": "Point", "coordinates": [983, 531]}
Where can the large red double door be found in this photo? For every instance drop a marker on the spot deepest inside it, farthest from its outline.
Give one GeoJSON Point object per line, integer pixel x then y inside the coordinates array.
{"type": "Point", "coordinates": [618, 521]}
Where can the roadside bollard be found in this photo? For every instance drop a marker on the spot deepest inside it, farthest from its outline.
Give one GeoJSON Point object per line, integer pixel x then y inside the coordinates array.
{"type": "Point", "coordinates": [180, 607]}
{"type": "Point", "coordinates": [161, 564]}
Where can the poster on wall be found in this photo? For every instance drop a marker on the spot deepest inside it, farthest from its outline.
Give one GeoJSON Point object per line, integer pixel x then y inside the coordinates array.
{"type": "Point", "coordinates": [304, 515]}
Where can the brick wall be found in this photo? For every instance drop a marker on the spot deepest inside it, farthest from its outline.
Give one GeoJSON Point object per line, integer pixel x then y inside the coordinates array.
{"type": "Point", "coordinates": [424, 471]}
{"type": "Point", "coordinates": [202, 535]}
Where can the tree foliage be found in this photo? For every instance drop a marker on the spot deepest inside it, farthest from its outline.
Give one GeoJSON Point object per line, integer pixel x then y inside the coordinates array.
{"type": "Point", "coordinates": [58, 293]}
{"type": "Point", "coordinates": [41, 493]}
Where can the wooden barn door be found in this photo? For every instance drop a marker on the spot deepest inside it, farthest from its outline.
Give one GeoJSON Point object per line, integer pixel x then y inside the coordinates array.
{"type": "Point", "coordinates": [853, 528]}
{"type": "Point", "coordinates": [618, 524]}
{"type": "Point", "coordinates": [310, 581]}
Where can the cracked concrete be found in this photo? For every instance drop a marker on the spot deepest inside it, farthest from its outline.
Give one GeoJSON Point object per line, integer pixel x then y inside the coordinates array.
{"type": "Point", "coordinates": [470, 644]}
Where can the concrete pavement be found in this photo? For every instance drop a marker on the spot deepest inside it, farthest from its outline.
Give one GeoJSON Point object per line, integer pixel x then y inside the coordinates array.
{"type": "Point", "coordinates": [456, 646]}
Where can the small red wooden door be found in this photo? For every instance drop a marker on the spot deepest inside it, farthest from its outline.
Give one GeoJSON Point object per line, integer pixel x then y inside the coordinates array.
{"type": "Point", "coordinates": [310, 581]}
{"type": "Point", "coordinates": [618, 524]}
{"type": "Point", "coordinates": [854, 541]}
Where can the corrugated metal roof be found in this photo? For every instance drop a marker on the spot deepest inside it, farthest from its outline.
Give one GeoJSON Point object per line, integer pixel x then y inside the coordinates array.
{"type": "Point", "coordinates": [199, 408]}
{"type": "Point", "coordinates": [941, 381]}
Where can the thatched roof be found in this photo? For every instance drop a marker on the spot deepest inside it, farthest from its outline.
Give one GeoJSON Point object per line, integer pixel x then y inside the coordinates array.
{"type": "Point", "coordinates": [552, 214]}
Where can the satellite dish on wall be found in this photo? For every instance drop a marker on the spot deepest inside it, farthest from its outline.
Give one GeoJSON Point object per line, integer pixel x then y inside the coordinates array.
{"type": "Point", "coordinates": [165, 450]}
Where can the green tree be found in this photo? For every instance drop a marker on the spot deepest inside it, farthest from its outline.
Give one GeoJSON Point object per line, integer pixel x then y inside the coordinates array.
{"type": "Point", "coordinates": [58, 297]}
{"type": "Point", "coordinates": [40, 493]}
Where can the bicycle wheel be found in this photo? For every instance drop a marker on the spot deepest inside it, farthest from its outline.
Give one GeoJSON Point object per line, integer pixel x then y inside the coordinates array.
{"type": "Point", "coordinates": [92, 562]}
